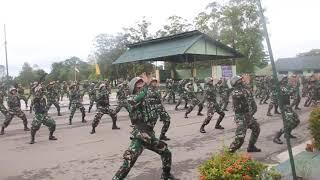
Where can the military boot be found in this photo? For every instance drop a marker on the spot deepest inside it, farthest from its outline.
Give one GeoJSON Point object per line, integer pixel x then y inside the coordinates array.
{"type": "Point", "coordinates": [93, 131]}
{"type": "Point", "coordinates": [114, 123]}
{"type": "Point", "coordinates": [277, 139]}
{"type": "Point", "coordinates": [164, 137]}
{"type": "Point", "coordinates": [218, 126]}
{"type": "Point", "coordinates": [89, 109]}
{"type": "Point", "coordinates": [59, 114]}
{"type": "Point", "coordinates": [26, 128]}
{"type": "Point", "coordinates": [70, 121]}
{"type": "Point", "coordinates": [52, 137]}
{"type": "Point", "coordinates": [83, 116]}
{"type": "Point", "coordinates": [2, 131]}
{"type": "Point", "coordinates": [253, 148]}
{"type": "Point", "coordinates": [166, 175]}
{"type": "Point", "coordinates": [276, 111]}
{"type": "Point", "coordinates": [269, 113]}
{"type": "Point", "coordinates": [33, 134]}
{"type": "Point", "coordinates": [202, 130]}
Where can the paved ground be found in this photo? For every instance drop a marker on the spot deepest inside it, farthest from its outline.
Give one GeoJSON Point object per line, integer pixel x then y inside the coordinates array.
{"type": "Point", "coordinates": [77, 155]}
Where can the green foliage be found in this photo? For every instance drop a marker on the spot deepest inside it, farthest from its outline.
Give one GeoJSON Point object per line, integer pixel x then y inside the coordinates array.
{"type": "Point", "coordinates": [314, 126]}
{"type": "Point", "coordinates": [313, 52]}
{"type": "Point", "coordinates": [29, 74]}
{"type": "Point", "coordinates": [235, 166]}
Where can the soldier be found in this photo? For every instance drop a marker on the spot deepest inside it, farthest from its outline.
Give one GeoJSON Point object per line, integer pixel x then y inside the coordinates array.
{"type": "Point", "coordinates": [64, 90]}
{"type": "Point", "coordinates": [182, 94]}
{"type": "Point", "coordinates": [123, 91]}
{"type": "Point", "coordinates": [296, 94]}
{"type": "Point", "coordinates": [192, 97]}
{"type": "Point", "coordinates": [167, 91]}
{"type": "Point", "coordinates": [41, 115]}
{"type": "Point", "coordinates": [76, 102]}
{"type": "Point", "coordinates": [92, 95]}
{"type": "Point", "coordinates": [266, 91]}
{"type": "Point", "coordinates": [14, 109]}
{"type": "Point", "coordinates": [213, 106]}
{"type": "Point", "coordinates": [20, 90]}
{"type": "Point", "coordinates": [291, 117]}
{"type": "Point", "coordinates": [85, 87]}
{"type": "Point", "coordinates": [53, 97]}
{"type": "Point", "coordinates": [243, 117]}
{"type": "Point", "coordinates": [274, 100]}
{"type": "Point", "coordinates": [103, 107]}
{"type": "Point", "coordinates": [32, 91]}
{"type": "Point", "coordinates": [199, 87]}
{"type": "Point", "coordinates": [311, 92]}
{"type": "Point", "coordinates": [143, 137]}
{"type": "Point", "coordinates": [224, 94]}
{"type": "Point", "coordinates": [154, 99]}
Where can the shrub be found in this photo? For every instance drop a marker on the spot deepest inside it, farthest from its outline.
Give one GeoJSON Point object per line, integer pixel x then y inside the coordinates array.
{"type": "Point", "coordinates": [314, 126]}
{"type": "Point", "coordinates": [235, 166]}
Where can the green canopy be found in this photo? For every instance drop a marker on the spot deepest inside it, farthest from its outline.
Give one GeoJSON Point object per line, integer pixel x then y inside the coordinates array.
{"type": "Point", "coordinates": [185, 47]}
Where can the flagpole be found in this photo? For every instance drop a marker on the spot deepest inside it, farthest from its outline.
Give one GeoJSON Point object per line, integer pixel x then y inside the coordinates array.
{"type": "Point", "coordinates": [75, 74]}
{"type": "Point", "coordinates": [6, 53]}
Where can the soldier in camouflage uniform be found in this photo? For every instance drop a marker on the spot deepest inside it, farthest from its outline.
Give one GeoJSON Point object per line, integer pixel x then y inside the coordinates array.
{"type": "Point", "coordinates": [154, 98]}
{"type": "Point", "coordinates": [41, 115]}
{"type": "Point", "coordinates": [213, 106]}
{"type": "Point", "coordinates": [243, 117]}
{"type": "Point", "coordinates": [311, 92]}
{"type": "Point", "coordinates": [14, 109]}
{"type": "Point", "coordinates": [194, 101]}
{"type": "Point", "coordinates": [123, 91]}
{"type": "Point", "coordinates": [170, 90]}
{"type": "Point", "coordinates": [274, 100]}
{"type": "Point", "coordinates": [296, 95]}
{"type": "Point", "coordinates": [199, 87]}
{"type": "Point", "coordinates": [3, 109]}
{"type": "Point", "coordinates": [223, 90]}
{"type": "Point", "coordinates": [53, 97]}
{"type": "Point", "coordinates": [20, 90]}
{"type": "Point", "coordinates": [76, 102]}
{"type": "Point", "coordinates": [64, 90]}
{"type": "Point", "coordinates": [144, 117]}
{"type": "Point", "coordinates": [32, 92]}
{"type": "Point", "coordinates": [182, 93]}
{"type": "Point", "coordinates": [103, 107]}
{"type": "Point", "coordinates": [291, 117]}
{"type": "Point", "coordinates": [92, 95]}
{"type": "Point", "coordinates": [265, 90]}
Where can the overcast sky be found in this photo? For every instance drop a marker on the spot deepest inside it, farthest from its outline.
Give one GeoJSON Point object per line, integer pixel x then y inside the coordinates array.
{"type": "Point", "coordinates": [44, 31]}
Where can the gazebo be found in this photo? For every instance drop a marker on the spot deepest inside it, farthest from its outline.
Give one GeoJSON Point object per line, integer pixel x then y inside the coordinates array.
{"type": "Point", "coordinates": [187, 47]}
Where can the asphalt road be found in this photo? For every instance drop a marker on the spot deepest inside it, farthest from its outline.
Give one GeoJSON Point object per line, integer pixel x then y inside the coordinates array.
{"type": "Point", "coordinates": [78, 155]}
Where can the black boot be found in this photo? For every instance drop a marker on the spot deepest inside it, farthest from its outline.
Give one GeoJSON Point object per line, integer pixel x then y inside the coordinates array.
{"type": "Point", "coordinates": [59, 114]}
{"type": "Point", "coordinates": [186, 115]}
{"type": "Point", "coordinates": [114, 122]}
{"type": "Point", "coordinates": [26, 128]}
{"type": "Point", "coordinates": [277, 139]}
{"type": "Point", "coordinates": [89, 109]}
{"type": "Point", "coordinates": [253, 148]}
{"type": "Point", "coordinates": [114, 126]}
{"type": "Point", "coordinates": [202, 130]}
{"type": "Point", "coordinates": [166, 175]}
{"type": "Point", "coordinates": [83, 120]}
{"type": "Point", "coordinates": [164, 137]}
{"type": "Point", "coordinates": [93, 131]}
{"type": "Point", "coordinates": [70, 121]}
{"type": "Point", "coordinates": [51, 136]}
{"type": "Point", "coordinates": [218, 126]}
{"type": "Point", "coordinates": [33, 134]}
{"type": "Point", "coordinates": [2, 131]}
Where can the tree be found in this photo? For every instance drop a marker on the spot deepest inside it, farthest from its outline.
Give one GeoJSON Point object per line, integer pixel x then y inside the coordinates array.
{"type": "Point", "coordinates": [313, 52]}
{"type": "Point", "coordinates": [175, 25]}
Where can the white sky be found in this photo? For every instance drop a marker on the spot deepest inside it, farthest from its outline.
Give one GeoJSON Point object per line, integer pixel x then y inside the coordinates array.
{"type": "Point", "coordinates": [44, 31]}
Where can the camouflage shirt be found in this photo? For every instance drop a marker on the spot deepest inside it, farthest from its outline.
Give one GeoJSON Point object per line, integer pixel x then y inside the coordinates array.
{"type": "Point", "coordinates": [103, 98]}
{"type": "Point", "coordinates": [240, 100]}
{"type": "Point", "coordinates": [13, 102]}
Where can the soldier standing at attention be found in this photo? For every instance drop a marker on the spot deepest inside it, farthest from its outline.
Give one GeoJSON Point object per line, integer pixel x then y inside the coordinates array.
{"type": "Point", "coordinates": [213, 106]}
{"type": "Point", "coordinates": [76, 102]}
{"type": "Point", "coordinates": [53, 97]}
{"type": "Point", "coordinates": [154, 99]}
{"type": "Point", "coordinates": [291, 117]}
{"type": "Point", "coordinates": [192, 97]}
{"type": "Point", "coordinates": [14, 109]}
{"type": "Point", "coordinates": [103, 107]}
{"type": "Point", "coordinates": [243, 117]}
{"type": "Point", "coordinates": [41, 115]}
{"type": "Point", "coordinates": [92, 95]}
{"type": "Point", "coordinates": [123, 92]}
{"type": "Point", "coordinates": [143, 137]}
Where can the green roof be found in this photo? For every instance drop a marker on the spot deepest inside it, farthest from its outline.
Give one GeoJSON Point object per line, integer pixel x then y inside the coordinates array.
{"type": "Point", "coordinates": [185, 47]}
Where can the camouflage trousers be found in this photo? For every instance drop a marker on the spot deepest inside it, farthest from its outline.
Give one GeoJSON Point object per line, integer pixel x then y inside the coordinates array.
{"type": "Point", "coordinates": [44, 119]}
{"type": "Point", "coordinates": [100, 112]}
{"type": "Point", "coordinates": [244, 122]}
{"type": "Point", "coordinates": [74, 106]}
{"type": "Point", "coordinates": [265, 96]}
{"type": "Point", "coordinates": [15, 112]}
{"type": "Point", "coordinates": [182, 97]}
{"type": "Point", "coordinates": [140, 141]}
{"type": "Point", "coordinates": [172, 96]}
{"type": "Point", "coordinates": [273, 103]}
{"type": "Point", "coordinates": [63, 92]}
{"type": "Point", "coordinates": [122, 103]}
{"type": "Point", "coordinates": [55, 103]}
{"type": "Point", "coordinates": [296, 100]}
{"type": "Point", "coordinates": [224, 101]}
{"type": "Point", "coordinates": [165, 118]}
{"type": "Point", "coordinates": [291, 120]}
{"type": "Point", "coordinates": [213, 107]}
{"type": "Point", "coordinates": [92, 100]}
{"type": "Point", "coordinates": [194, 102]}
{"type": "Point", "coordinates": [3, 109]}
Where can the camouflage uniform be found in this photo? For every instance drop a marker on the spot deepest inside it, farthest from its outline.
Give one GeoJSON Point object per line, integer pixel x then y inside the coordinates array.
{"type": "Point", "coordinates": [274, 100]}
{"type": "Point", "coordinates": [213, 106]}
{"type": "Point", "coordinates": [296, 96]}
{"type": "Point", "coordinates": [92, 95]}
{"type": "Point", "coordinates": [32, 92]}
{"type": "Point", "coordinates": [144, 118]}
{"type": "Point", "coordinates": [103, 107]}
{"type": "Point", "coordinates": [76, 102]}
{"type": "Point", "coordinates": [122, 97]}
{"type": "Point", "coordinates": [265, 91]}
{"type": "Point", "coordinates": [224, 94]}
{"type": "Point", "coordinates": [291, 118]}
{"type": "Point", "coordinates": [154, 99]}
{"type": "Point", "coordinates": [192, 97]}
{"type": "Point", "coordinates": [64, 90]}
{"type": "Point", "coordinates": [243, 117]}
{"type": "Point", "coordinates": [182, 94]}
{"type": "Point", "coordinates": [41, 116]}
{"type": "Point", "coordinates": [199, 87]}
{"type": "Point", "coordinates": [53, 97]}
{"type": "Point", "coordinates": [20, 90]}
{"type": "Point", "coordinates": [311, 93]}
{"type": "Point", "coordinates": [14, 110]}
{"type": "Point", "coordinates": [170, 90]}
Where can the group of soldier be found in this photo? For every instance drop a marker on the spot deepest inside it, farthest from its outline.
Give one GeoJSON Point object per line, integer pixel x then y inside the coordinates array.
{"type": "Point", "coordinates": [143, 100]}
